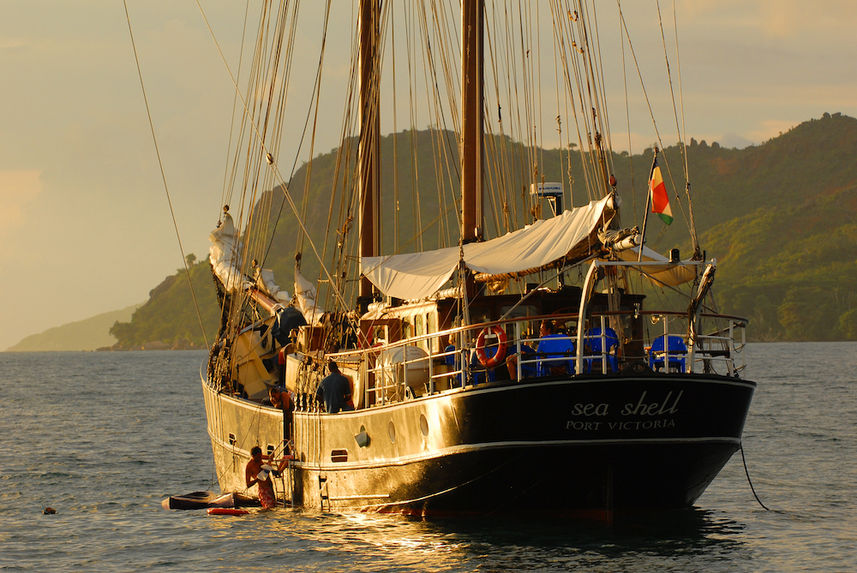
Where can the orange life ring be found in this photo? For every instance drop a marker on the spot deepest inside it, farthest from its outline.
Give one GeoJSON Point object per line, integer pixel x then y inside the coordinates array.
{"type": "Point", "coordinates": [501, 347]}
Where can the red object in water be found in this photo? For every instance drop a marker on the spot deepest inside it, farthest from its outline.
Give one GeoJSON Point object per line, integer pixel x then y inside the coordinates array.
{"type": "Point", "coordinates": [226, 511]}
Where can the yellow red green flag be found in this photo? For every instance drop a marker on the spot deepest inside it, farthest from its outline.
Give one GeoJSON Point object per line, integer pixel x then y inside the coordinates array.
{"type": "Point", "coordinates": [658, 191]}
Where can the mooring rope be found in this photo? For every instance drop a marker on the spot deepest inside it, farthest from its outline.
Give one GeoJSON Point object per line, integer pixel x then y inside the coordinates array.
{"type": "Point", "coordinates": [749, 481]}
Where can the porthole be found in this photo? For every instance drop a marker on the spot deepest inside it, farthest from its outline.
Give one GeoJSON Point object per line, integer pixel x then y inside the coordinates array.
{"type": "Point", "coordinates": [362, 438]}
{"type": "Point", "coordinates": [424, 425]}
{"type": "Point", "coordinates": [391, 431]}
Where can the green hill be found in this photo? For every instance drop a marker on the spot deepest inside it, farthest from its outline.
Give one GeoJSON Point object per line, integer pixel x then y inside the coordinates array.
{"type": "Point", "coordinates": [779, 217]}
{"type": "Point", "coordinates": [169, 318]}
{"type": "Point", "coordinates": [89, 334]}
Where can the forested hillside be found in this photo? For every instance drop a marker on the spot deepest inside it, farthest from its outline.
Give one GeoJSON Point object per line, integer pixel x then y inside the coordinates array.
{"type": "Point", "coordinates": [781, 219]}
{"type": "Point", "coordinates": [169, 318]}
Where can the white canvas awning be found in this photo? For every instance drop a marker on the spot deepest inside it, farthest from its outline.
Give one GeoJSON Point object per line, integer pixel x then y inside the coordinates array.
{"type": "Point", "coordinates": [419, 275]}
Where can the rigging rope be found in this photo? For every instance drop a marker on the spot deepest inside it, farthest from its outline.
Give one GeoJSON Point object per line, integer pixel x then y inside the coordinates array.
{"type": "Point", "coordinates": [628, 119]}
{"type": "Point", "coordinates": [226, 195]}
{"type": "Point", "coordinates": [163, 174]}
{"type": "Point", "coordinates": [273, 165]}
{"type": "Point", "coordinates": [651, 112]}
{"type": "Point", "coordinates": [395, 145]}
{"type": "Point", "coordinates": [679, 132]}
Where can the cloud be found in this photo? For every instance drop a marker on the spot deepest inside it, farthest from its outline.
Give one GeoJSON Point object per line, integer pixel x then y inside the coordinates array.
{"type": "Point", "coordinates": [9, 44]}
{"type": "Point", "coordinates": [769, 129]}
{"type": "Point", "coordinates": [778, 21]}
{"type": "Point", "coordinates": [18, 189]}
{"type": "Point", "coordinates": [772, 20]}
{"type": "Point", "coordinates": [733, 140]}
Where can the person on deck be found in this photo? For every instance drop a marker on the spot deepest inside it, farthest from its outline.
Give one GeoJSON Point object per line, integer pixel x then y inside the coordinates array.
{"type": "Point", "coordinates": [334, 391]}
{"type": "Point", "coordinates": [280, 398]}
{"type": "Point", "coordinates": [547, 329]}
{"type": "Point", "coordinates": [554, 351]}
{"type": "Point", "coordinates": [527, 370]}
{"type": "Point", "coordinates": [251, 477]}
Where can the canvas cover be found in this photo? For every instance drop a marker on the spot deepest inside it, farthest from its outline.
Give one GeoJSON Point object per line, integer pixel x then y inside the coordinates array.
{"type": "Point", "coordinates": [419, 275]}
{"type": "Point", "coordinates": [666, 274]}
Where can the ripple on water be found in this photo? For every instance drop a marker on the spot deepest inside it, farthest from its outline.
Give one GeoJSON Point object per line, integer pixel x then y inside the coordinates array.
{"type": "Point", "coordinates": [130, 430]}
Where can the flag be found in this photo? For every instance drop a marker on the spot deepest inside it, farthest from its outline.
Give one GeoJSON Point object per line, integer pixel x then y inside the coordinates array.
{"type": "Point", "coordinates": [658, 192]}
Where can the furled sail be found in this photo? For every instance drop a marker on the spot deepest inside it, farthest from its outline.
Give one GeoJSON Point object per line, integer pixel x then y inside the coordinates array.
{"type": "Point", "coordinates": [570, 235]}
{"type": "Point", "coordinates": [221, 253]}
{"type": "Point", "coordinates": [265, 281]}
{"type": "Point", "coordinates": [306, 299]}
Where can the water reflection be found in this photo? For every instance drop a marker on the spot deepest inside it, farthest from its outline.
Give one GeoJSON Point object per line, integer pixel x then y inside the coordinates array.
{"type": "Point", "coordinates": [547, 542]}
{"type": "Point", "coordinates": [370, 542]}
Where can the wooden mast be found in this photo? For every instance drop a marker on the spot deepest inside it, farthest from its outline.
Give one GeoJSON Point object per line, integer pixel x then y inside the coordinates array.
{"type": "Point", "coordinates": [369, 144]}
{"type": "Point", "coordinates": [472, 122]}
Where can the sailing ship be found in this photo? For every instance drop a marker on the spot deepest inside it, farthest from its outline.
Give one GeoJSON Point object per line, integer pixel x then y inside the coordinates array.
{"type": "Point", "coordinates": [527, 372]}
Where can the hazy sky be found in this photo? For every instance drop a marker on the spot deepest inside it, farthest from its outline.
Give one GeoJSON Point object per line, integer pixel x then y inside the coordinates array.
{"type": "Point", "coordinates": [84, 222]}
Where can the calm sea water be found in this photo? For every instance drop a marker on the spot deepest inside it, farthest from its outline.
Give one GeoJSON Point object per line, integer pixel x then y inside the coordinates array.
{"type": "Point", "coordinates": [103, 437]}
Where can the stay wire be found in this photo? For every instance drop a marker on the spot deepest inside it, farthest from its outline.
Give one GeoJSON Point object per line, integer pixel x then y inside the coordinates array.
{"type": "Point", "coordinates": [683, 130]}
{"type": "Point", "coordinates": [627, 33]}
{"type": "Point", "coordinates": [682, 145]}
{"type": "Point", "coordinates": [163, 175]}
{"type": "Point", "coordinates": [226, 196]}
{"type": "Point", "coordinates": [314, 99]}
{"type": "Point", "coordinates": [628, 121]}
{"type": "Point", "coordinates": [679, 133]}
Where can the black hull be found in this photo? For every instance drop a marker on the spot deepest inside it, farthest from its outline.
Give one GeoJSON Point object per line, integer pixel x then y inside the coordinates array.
{"type": "Point", "coordinates": [557, 446]}
{"type": "Point", "coordinates": [528, 479]}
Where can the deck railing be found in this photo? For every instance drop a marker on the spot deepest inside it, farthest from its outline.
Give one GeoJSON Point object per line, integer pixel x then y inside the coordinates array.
{"type": "Point", "coordinates": [412, 368]}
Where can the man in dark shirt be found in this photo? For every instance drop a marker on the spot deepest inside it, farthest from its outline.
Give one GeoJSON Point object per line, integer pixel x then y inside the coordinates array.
{"type": "Point", "coordinates": [334, 390]}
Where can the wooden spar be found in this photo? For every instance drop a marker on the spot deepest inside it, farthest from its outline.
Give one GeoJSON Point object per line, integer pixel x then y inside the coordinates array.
{"type": "Point", "coordinates": [472, 12]}
{"type": "Point", "coordinates": [369, 136]}
{"type": "Point", "coordinates": [265, 301]}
